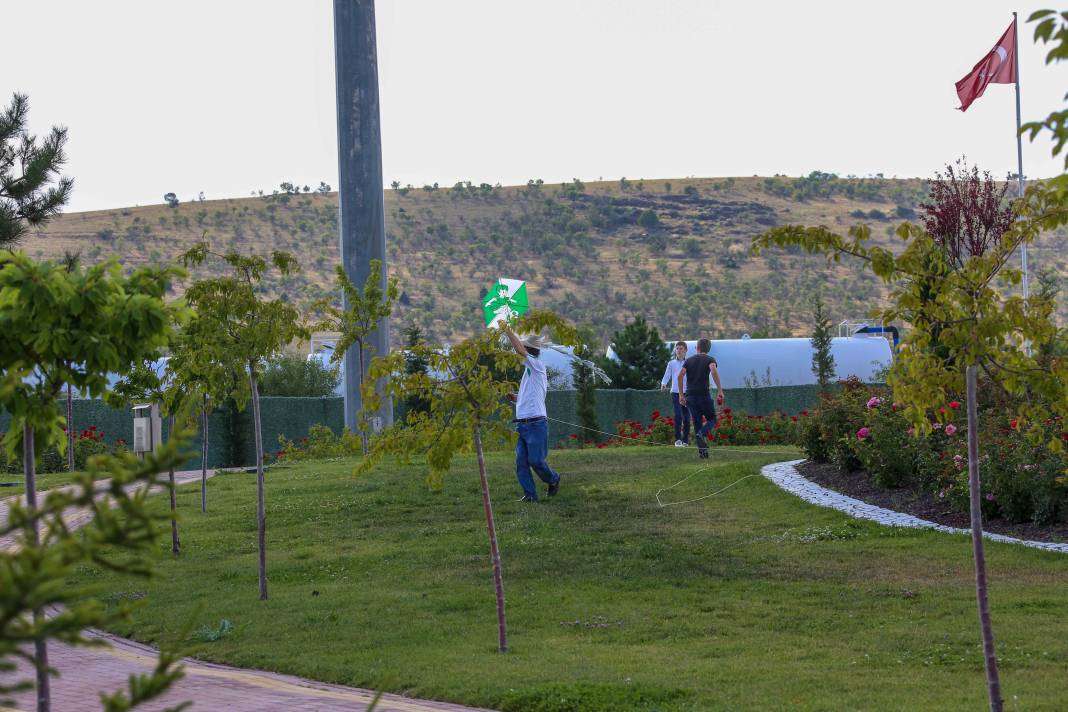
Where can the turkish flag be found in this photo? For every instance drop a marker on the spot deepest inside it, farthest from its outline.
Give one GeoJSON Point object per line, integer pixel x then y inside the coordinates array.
{"type": "Point", "coordinates": [997, 67]}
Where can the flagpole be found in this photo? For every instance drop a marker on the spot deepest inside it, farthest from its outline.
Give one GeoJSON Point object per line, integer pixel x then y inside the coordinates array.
{"type": "Point", "coordinates": [1019, 147]}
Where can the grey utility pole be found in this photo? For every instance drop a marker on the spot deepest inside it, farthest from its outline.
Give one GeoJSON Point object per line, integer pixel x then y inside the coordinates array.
{"type": "Point", "coordinates": [359, 146]}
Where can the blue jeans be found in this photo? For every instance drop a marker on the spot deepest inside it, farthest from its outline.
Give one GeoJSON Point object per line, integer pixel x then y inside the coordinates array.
{"type": "Point", "coordinates": [530, 452]}
{"type": "Point", "coordinates": [701, 405]}
{"type": "Point", "coordinates": [682, 419]}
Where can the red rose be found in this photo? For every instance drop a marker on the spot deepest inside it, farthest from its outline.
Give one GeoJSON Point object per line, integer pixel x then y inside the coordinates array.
{"type": "Point", "coordinates": [955, 405]}
{"type": "Point", "coordinates": [1012, 423]}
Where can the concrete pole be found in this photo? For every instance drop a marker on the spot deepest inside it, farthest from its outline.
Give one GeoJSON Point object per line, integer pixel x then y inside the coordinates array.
{"type": "Point", "coordinates": [360, 192]}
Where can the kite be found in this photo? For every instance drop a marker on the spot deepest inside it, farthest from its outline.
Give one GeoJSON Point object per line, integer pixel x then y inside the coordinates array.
{"type": "Point", "coordinates": [505, 301]}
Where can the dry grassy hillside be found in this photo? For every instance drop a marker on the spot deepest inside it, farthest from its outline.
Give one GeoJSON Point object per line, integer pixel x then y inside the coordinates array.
{"type": "Point", "coordinates": [674, 251]}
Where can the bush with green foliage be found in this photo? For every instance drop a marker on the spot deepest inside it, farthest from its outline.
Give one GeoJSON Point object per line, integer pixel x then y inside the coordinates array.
{"type": "Point", "coordinates": [319, 444]}
{"type": "Point", "coordinates": [289, 374]}
{"type": "Point", "coordinates": [861, 427]}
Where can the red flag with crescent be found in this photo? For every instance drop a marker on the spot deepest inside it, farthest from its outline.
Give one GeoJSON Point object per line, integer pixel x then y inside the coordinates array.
{"type": "Point", "coordinates": [997, 67]}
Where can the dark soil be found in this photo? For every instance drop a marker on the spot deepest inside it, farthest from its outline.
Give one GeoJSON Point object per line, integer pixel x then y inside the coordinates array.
{"type": "Point", "coordinates": [920, 503]}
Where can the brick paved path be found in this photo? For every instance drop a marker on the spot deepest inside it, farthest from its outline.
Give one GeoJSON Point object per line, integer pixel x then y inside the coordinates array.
{"type": "Point", "coordinates": [86, 671]}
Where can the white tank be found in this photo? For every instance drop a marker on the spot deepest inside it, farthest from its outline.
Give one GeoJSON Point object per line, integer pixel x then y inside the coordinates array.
{"type": "Point", "coordinates": [747, 363]}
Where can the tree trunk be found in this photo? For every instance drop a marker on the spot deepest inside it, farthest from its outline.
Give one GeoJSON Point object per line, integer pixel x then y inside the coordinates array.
{"type": "Point", "coordinates": [261, 515]}
{"type": "Point", "coordinates": [40, 646]}
{"type": "Point", "coordinates": [363, 422]}
{"type": "Point", "coordinates": [176, 545]}
{"type": "Point", "coordinates": [70, 429]}
{"type": "Point", "coordinates": [204, 458]}
{"type": "Point", "coordinates": [992, 680]}
{"type": "Point", "coordinates": [495, 554]}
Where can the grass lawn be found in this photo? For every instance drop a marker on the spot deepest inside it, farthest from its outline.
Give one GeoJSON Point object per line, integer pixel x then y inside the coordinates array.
{"type": "Point", "coordinates": [749, 600]}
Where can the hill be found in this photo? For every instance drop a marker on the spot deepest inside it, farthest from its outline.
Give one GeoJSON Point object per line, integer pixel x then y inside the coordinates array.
{"type": "Point", "coordinates": [674, 251]}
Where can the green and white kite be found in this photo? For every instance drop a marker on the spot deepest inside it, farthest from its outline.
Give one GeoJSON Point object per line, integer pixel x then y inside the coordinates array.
{"type": "Point", "coordinates": [505, 301]}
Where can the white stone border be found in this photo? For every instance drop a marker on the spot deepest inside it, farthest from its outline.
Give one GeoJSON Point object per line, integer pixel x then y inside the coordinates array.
{"type": "Point", "coordinates": [786, 476]}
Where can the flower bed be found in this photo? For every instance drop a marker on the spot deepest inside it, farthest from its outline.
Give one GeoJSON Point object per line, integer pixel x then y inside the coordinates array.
{"type": "Point", "coordinates": [87, 443]}
{"type": "Point", "coordinates": [862, 429]}
{"type": "Point", "coordinates": [731, 429]}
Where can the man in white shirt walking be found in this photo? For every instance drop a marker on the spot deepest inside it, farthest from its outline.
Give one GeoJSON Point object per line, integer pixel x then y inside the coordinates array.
{"type": "Point", "coordinates": [530, 418]}
{"type": "Point", "coordinates": [671, 379]}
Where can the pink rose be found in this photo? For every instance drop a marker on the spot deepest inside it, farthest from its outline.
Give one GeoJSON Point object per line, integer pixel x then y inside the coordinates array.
{"type": "Point", "coordinates": [874, 402]}
{"type": "Point", "coordinates": [863, 433]}
{"type": "Point", "coordinates": [950, 429]}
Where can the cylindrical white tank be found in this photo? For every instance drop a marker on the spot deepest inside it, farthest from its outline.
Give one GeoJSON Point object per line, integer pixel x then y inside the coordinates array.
{"type": "Point", "coordinates": [788, 362]}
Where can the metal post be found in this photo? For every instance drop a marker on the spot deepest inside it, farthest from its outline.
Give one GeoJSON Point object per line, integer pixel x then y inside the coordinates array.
{"type": "Point", "coordinates": [360, 190]}
{"type": "Point", "coordinates": [1019, 147]}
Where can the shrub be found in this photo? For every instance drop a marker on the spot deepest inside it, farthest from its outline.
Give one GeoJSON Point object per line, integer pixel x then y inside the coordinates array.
{"type": "Point", "coordinates": [1021, 482]}
{"type": "Point", "coordinates": [319, 444]}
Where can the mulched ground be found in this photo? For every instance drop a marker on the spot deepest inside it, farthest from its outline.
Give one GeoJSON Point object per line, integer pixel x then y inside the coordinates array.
{"type": "Point", "coordinates": [920, 503]}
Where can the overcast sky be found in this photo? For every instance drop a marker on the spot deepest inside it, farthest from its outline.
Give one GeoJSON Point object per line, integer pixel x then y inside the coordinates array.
{"type": "Point", "coordinates": [235, 96]}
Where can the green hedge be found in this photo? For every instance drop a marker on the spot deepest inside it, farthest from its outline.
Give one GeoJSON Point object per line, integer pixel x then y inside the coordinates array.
{"type": "Point", "coordinates": [231, 443]}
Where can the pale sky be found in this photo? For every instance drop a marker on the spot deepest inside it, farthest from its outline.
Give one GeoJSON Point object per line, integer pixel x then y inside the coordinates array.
{"type": "Point", "coordinates": [228, 97]}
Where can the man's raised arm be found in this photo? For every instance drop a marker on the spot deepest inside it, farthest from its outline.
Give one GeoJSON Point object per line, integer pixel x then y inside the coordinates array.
{"type": "Point", "coordinates": [519, 348]}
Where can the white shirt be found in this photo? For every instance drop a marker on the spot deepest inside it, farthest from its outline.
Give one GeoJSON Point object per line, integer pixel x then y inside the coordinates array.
{"type": "Point", "coordinates": [530, 402]}
{"type": "Point", "coordinates": [671, 373]}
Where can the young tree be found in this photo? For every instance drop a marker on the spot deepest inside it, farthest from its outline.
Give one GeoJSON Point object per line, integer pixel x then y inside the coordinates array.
{"type": "Point", "coordinates": [414, 364]}
{"type": "Point", "coordinates": [120, 534]}
{"type": "Point", "coordinates": [470, 403]}
{"type": "Point", "coordinates": [153, 381]}
{"type": "Point", "coordinates": [822, 358]}
{"type": "Point", "coordinates": [360, 314]}
{"type": "Point", "coordinates": [642, 355]}
{"type": "Point", "coordinates": [64, 326]}
{"type": "Point", "coordinates": [948, 279]}
{"type": "Point", "coordinates": [193, 365]}
{"type": "Point", "coordinates": [70, 260]}
{"type": "Point", "coordinates": [585, 383]}
{"type": "Point", "coordinates": [34, 195]}
{"type": "Point", "coordinates": [240, 329]}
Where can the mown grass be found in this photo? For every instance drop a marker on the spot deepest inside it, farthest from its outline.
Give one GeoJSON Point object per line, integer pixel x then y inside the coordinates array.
{"type": "Point", "coordinates": [750, 600]}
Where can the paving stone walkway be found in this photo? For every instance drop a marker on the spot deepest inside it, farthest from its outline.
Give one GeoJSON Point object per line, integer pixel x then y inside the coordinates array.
{"type": "Point", "coordinates": [84, 672]}
{"type": "Point", "coordinates": [785, 475]}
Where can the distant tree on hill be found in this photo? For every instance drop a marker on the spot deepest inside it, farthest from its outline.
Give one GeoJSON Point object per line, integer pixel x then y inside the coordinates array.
{"type": "Point", "coordinates": [323, 188]}
{"type": "Point", "coordinates": [171, 199]}
{"type": "Point", "coordinates": [38, 194]}
{"type": "Point", "coordinates": [691, 190]}
{"type": "Point", "coordinates": [642, 355]}
{"type": "Point", "coordinates": [649, 219]}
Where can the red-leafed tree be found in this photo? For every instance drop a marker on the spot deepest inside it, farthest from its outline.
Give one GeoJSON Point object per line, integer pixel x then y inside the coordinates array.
{"type": "Point", "coordinates": [967, 212]}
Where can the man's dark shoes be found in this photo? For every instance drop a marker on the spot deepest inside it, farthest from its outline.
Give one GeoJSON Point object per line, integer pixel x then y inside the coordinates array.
{"type": "Point", "coordinates": [526, 498]}
{"type": "Point", "coordinates": [554, 487]}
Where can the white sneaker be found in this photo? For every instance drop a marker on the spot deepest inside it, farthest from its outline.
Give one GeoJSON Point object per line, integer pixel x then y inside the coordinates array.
{"type": "Point", "coordinates": [679, 443]}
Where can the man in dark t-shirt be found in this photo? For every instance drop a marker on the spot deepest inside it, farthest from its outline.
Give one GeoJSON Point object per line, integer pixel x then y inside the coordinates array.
{"type": "Point", "coordinates": [695, 373]}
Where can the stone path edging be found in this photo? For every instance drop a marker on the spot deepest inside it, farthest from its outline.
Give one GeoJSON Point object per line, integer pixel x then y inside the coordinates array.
{"type": "Point", "coordinates": [786, 476]}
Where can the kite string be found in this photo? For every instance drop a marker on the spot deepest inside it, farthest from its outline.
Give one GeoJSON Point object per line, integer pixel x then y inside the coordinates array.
{"type": "Point", "coordinates": [684, 479]}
